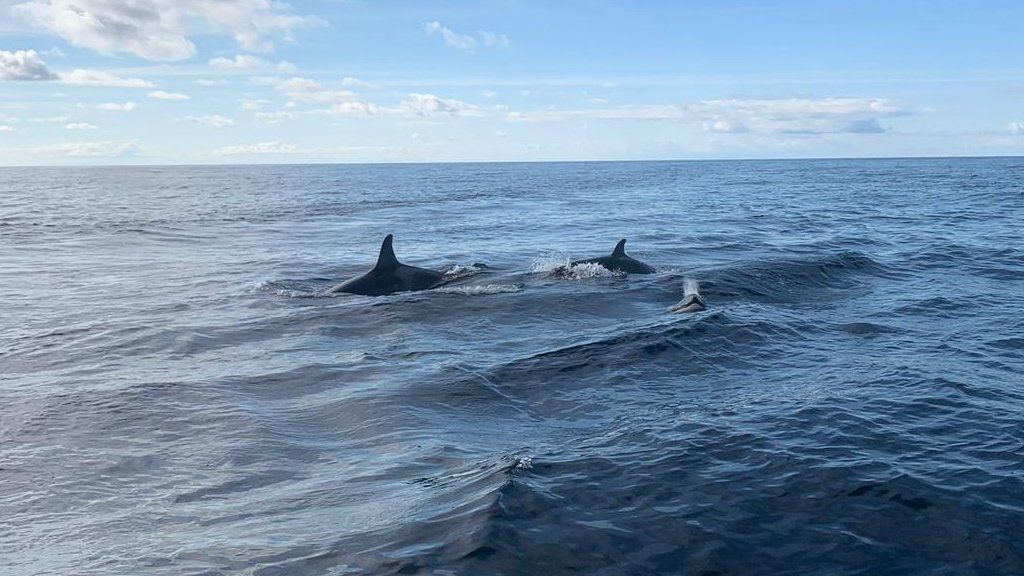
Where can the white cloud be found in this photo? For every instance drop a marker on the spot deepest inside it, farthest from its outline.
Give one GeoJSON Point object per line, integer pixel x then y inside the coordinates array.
{"type": "Point", "coordinates": [161, 95]}
{"type": "Point", "coordinates": [726, 127]}
{"type": "Point", "coordinates": [275, 116]}
{"type": "Point", "coordinates": [23, 65]}
{"type": "Point", "coordinates": [488, 93]}
{"type": "Point", "coordinates": [348, 109]}
{"type": "Point", "coordinates": [1017, 127]}
{"type": "Point", "coordinates": [639, 112]}
{"type": "Point", "coordinates": [795, 115]}
{"type": "Point", "coordinates": [297, 84]}
{"type": "Point", "coordinates": [431, 105]}
{"type": "Point", "coordinates": [214, 121]}
{"type": "Point", "coordinates": [738, 116]}
{"type": "Point", "coordinates": [305, 90]}
{"type": "Point", "coordinates": [82, 77]}
{"type": "Point", "coordinates": [160, 29]}
{"type": "Point", "coordinates": [451, 38]}
{"type": "Point", "coordinates": [495, 40]}
{"type": "Point", "coordinates": [264, 80]}
{"type": "Point", "coordinates": [115, 107]}
{"type": "Point", "coordinates": [87, 149]}
{"type": "Point", "coordinates": [350, 82]}
{"type": "Point", "coordinates": [254, 104]}
{"type": "Point", "coordinates": [80, 126]}
{"type": "Point", "coordinates": [239, 62]}
{"type": "Point", "coordinates": [355, 109]}
{"type": "Point", "coordinates": [256, 149]}
{"type": "Point", "coordinates": [286, 66]}
{"type": "Point", "coordinates": [6, 128]}
{"type": "Point", "coordinates": [212, 81]}
{"type": "Point", "coordinates": [465, 42]}
{"type": "Point", "coordinates": [349, 153]}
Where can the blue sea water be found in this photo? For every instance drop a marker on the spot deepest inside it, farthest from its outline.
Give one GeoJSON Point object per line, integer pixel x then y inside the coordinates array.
{"type": "Point", "coordinates": [180, 395]}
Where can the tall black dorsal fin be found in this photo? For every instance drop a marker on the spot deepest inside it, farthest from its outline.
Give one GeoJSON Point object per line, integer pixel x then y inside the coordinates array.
{"type": "Point", "coordinates": [386, 259]}
{"type": "Point", "coordinates": [620, 248]}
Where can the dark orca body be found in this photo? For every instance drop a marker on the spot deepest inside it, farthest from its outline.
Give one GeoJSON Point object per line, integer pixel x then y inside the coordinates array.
{"type": "Point", "coordinates": [618, 261]}
{"type": "Point", "coordinates": [389, 276]}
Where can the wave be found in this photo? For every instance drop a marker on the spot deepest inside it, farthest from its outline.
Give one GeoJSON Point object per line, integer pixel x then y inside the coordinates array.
{"type": "Point", "coordinates": [454, 508]}
{"type": "Point", "coordinates": [536, 385]}
{"type": "Point", "coordinates": [792, 280]}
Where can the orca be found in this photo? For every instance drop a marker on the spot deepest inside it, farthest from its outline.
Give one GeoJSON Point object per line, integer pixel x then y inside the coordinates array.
{"type": "Point", "coordinates": [618, 261]}
{"type": "Point", "coordinates": [389, 276]}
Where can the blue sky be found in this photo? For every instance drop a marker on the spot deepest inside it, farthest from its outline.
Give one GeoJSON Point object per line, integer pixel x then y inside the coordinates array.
{"type": "Point", "coordinates": [179, 82]}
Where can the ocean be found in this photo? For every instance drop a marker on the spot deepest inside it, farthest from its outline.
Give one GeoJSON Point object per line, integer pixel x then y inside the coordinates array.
{"type": "Point", "coordinates": [180, 394]}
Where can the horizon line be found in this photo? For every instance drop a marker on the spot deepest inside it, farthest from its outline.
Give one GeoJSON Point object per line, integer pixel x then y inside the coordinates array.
{"type": "Point", "coordinates": [448, 162]}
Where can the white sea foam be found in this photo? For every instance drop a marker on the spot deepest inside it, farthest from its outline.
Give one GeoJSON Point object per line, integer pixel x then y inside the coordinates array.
{"type": "Point", "coordinates": [560, 264]}
{"type": "Point", "coordinates": [587, 270]}
{"type": "Point", "coordinates": [458, 270]}
{"type": "Point", "coordinates": [550, 262]}
{"type": "Point", "coordinates": [483, 289]}
{"type": "Point", "coordinates": [278, 290]}
{"type": "Point", "coordinates": [522, 463]}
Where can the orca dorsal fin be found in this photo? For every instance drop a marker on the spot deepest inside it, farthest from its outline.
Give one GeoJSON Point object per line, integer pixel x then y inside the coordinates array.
{"type": "Point", "coordinates": [386, 260]}
{"type": "Point", "coordinates": [620, 248]}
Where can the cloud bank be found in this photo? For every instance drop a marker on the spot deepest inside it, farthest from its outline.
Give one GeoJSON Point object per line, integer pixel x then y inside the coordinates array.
{"type": "Point", "coordinates": [160, 29]}
{"type": "Point", "coordinates": [796, 115]}
{"type": "Point", "coordinates": [742, 116]}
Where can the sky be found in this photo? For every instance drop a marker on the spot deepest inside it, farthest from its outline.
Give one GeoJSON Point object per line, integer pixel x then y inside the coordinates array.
{"type": "Point", "coordinates": [258, 81]}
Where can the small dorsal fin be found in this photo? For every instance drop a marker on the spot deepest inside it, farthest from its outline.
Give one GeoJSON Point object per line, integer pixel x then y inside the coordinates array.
{"type": "Point", "coordinates": [620, 248]}
{"type": "Point", "coordinates": [386, 259]}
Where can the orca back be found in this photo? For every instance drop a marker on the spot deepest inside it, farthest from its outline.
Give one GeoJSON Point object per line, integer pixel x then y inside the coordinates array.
{"type": "Point", "coordinates": [619, 261]}
{"type": "Point", "coordinates": [389, 276]}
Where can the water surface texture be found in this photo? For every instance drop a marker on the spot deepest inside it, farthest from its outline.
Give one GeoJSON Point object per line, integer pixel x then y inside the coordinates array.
{"type": "Point", "coordinates": [180, 395]}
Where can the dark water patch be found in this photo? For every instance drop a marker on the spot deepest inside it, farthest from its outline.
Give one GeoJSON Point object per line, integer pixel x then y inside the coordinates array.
{"type": "Point", "coordinates": [1013, 345]}
{"type": "Point", "coordinates": [939, 306]}
{"type": "Point", "coordinates": [867, 328]}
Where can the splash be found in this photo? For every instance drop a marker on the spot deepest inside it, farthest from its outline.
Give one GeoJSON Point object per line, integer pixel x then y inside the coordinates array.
{"type": "Point", "coordinates": [560, 265]}
{"type": "Point", "coordinates": [522, 463]}
{"type": "Point", "coordinates": [550, 262]}
{"type": "Point", "coordinates": [583, 271]}
{"type": "Point", "coordinates": [691, 302]}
